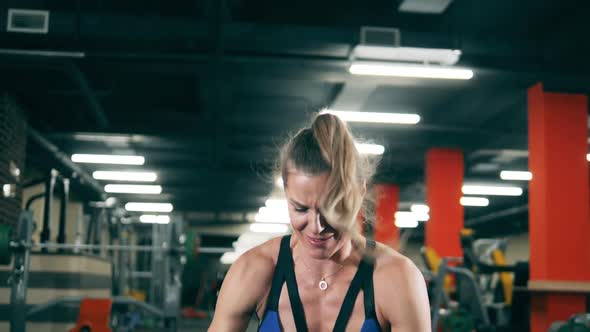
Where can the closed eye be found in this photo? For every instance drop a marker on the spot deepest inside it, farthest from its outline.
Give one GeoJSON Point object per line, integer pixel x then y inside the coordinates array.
{"type": "Point", "coordinates": [298, 207]}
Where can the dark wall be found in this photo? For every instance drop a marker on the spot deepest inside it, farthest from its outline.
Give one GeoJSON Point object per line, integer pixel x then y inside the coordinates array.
{"type": "Point", "coordinates": [13, 138]}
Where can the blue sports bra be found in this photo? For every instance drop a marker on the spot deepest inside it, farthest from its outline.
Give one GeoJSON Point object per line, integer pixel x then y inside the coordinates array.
{"type": "Point", "coordinates": [284, 272]}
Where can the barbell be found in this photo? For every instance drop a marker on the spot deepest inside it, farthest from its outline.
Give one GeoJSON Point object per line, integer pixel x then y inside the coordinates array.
{"type": "Point", "coordinates": [188, 247]}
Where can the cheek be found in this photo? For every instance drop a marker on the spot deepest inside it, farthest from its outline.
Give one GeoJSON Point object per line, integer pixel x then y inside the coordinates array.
{"type": "Point", "coordinates": [297, 222]}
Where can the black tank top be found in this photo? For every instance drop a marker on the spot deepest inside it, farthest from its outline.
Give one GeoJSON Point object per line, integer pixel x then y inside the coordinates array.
{"type": "Point", "coordinates": [285, 272]}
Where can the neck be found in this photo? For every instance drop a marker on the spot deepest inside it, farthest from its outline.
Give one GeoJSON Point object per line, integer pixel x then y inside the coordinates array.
{"type": "Point", "coordinates": [346, 254]}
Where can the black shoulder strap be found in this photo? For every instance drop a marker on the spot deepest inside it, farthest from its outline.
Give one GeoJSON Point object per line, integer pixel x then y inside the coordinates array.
{"type": "Point", "coordinates": [289, 272]}
{"type": "Point", "coordinates": [350, 298]}
{"type": "Point", "coordinates": [368, 291]}
{"type": "Point", "coordinates": [278, 278]}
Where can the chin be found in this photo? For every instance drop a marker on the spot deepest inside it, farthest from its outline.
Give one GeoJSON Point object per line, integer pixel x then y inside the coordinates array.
{"type": "Point", "coordinates": [321, 247]}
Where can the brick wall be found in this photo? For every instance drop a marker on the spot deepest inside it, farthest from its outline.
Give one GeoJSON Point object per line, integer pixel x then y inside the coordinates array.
{"type": "Point", "coordinates": [13, 137]}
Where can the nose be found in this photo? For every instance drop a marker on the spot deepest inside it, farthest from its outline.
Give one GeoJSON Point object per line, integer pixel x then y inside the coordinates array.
{"type": "Point", "coordinates": [316, 222]}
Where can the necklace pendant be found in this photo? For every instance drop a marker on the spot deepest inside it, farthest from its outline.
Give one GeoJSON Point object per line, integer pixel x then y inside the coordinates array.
{"type": "Point", "coordinates": [323, 285]}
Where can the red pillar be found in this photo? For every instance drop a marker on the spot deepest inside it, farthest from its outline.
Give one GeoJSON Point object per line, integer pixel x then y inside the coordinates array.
{"type": "Point", "coordinates": [559, 229]}
{"type": "Point", "coordinates": [386, 200]}
{"type": "Point", "coordinates": [444, 181]}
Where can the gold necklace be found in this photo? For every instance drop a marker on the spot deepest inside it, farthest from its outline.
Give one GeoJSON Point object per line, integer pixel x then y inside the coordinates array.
{"type": "Point", "coordinates": [323, 284]}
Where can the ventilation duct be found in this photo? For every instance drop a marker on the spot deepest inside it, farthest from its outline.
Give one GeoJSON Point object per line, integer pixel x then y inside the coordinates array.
{"type": "Point", "coordinates": [424, 6]}
{"type": "Point", "coordinates": [27, 21]}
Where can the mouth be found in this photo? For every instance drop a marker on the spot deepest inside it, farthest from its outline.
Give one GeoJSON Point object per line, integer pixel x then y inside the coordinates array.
{"type": "Point", "coordinates": [318, 241]}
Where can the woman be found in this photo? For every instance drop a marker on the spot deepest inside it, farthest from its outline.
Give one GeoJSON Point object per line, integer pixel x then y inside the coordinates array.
{"type": "Point", "coordinates": [320, 278]}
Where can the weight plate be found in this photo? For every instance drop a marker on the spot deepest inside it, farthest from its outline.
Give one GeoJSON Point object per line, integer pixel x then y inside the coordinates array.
{"type": "Point", "coordinates": [191, 246]}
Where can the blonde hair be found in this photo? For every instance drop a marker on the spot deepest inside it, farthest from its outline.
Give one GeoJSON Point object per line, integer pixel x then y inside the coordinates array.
{"type": "Point", "coordinates": [329, 146]}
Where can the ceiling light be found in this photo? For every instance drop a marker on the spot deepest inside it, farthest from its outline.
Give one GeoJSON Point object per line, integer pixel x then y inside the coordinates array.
{"type": "Point", "coordinates": [420, 208]}
{"type": "Point", "coordinates": [492, 190]}
{"type": "Point", "coordinates": [154, 219]}
{"type": "Point", "coordinates": [108, 159]}
{"type": "Point", "coordinates": [277, 203]}
{"type": "Point", "coordinates": [516, 175]}
{"type": "Point", "coordinates": [373, 149]}
{"type": "Point", "coordinates": [409, 70]}
{"type": "Point", "coordinates": [149, 207]}
{"type": "Point", "coordinates": [403, 223]}
{"type": "Point", "coordinates": [132, 189]}
{"type": "Point", "coordinates": [421, 216]}
{"type": "Point", "coordinates": [406, 219]}
{"type": "Point", "coordinates": [439, 56]}
{"type": "Point", "coordinates": [424, 6]}
{"type": "Point", "coordinates": [125, 176]}
{"type": "Point", "coordinates": [373, 117]}
{"type": "Point", "coordinates": [229, 257]}
{"type": "Point", "coordinates": [474, 201]}
{"type": "Point", "coordinates": [272, 215]}
{"type": "Point", "coordinates": [268, 228]}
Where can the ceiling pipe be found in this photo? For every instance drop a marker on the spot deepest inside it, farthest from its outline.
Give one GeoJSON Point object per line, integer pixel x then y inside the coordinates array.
{"type": "Point", "coordinates": [77, 172]}
{"type": "Point", "coordinates": [93, 103]}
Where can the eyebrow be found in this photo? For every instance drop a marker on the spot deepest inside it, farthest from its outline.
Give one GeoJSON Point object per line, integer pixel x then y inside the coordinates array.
{"type": "Point", "coordinates": [297, 203]}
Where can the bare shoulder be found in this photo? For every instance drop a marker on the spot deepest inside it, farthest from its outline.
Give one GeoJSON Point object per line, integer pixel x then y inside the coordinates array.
{"type": "Point", "coordinates": [245, 287]}
{"type": "Point", "coordinates": [400, 291]}
{"type": "Point", "coordinates": [255, 269]}
{"type": "Point", "coordinates": [391, 264]}
{"type": "Point", "coordinates": [259, 261]}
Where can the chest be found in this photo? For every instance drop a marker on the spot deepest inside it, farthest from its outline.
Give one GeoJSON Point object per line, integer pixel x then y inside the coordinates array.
{"type": "Point", "coordinates": [321, 309]}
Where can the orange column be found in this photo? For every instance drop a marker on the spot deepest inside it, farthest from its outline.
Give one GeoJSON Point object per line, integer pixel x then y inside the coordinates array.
{"type": "Point", "coordinates": [444, 181]}
{"type": "Point", "coordinates": [386, 200]}
{"type": "Point", "coordinates": [559, 229]}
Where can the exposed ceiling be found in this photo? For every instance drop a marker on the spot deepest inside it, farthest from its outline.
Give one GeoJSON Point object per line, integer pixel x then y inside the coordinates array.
{"type": "Point", "coordinates": [207, 91]}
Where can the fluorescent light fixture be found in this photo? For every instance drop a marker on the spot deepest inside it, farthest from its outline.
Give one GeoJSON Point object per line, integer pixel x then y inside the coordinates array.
{"type": "Point", "coordinates": [373, 149]}
{"type": "Point", "coordinates": [403, 223]}
{"type": "Point", "coordinates": [421, 216]}
{"type": "Point", "coordinates": [108, 159]}
{"type": "Point", "coordinates": [272, 215]}
{"type": "Point", "coordinates": [420, 208]}
{"type": "Point", "coordinates": [409, 70]}
{"type": "Point", "coordinates": [149, 207]}
{"type": "Point", "coordinates": [125, 176]}
{"type": "Point", "coordinates": [277, 203]}
{"type": "Point", "coordinates": [492, 190]}
{"type": "Point", "coordinates": [405, 219]}
{"type": "Point", "coordinates": [516, 175]}
{"type": "Point", "coordinates": [474, 201]}
{"type": "Point", "coordinates": [249, 240]}
{"type": "Point", "coordinates": [373, 117]}
{"type": "Point", "coordinates": [268, 228]}
{"type": "Point", "coordinates": [132, 189]}
{"type": "Point", "coordinates": [154, 219]}
{"type": "Point", "coordinates": [439, 56]}
{"type": "Point", "coordinates": [424, 6]}
{"type": "Point", "coordinates": [229, 257]}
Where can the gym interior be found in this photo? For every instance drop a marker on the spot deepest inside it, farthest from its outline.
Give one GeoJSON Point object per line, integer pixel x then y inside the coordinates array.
{"type": "Point", "coordinates": [139, 143]}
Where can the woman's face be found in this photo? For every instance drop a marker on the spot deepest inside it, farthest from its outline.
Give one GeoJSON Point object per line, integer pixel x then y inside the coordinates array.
{"type": "Point", "coordinates": [303, 194]}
